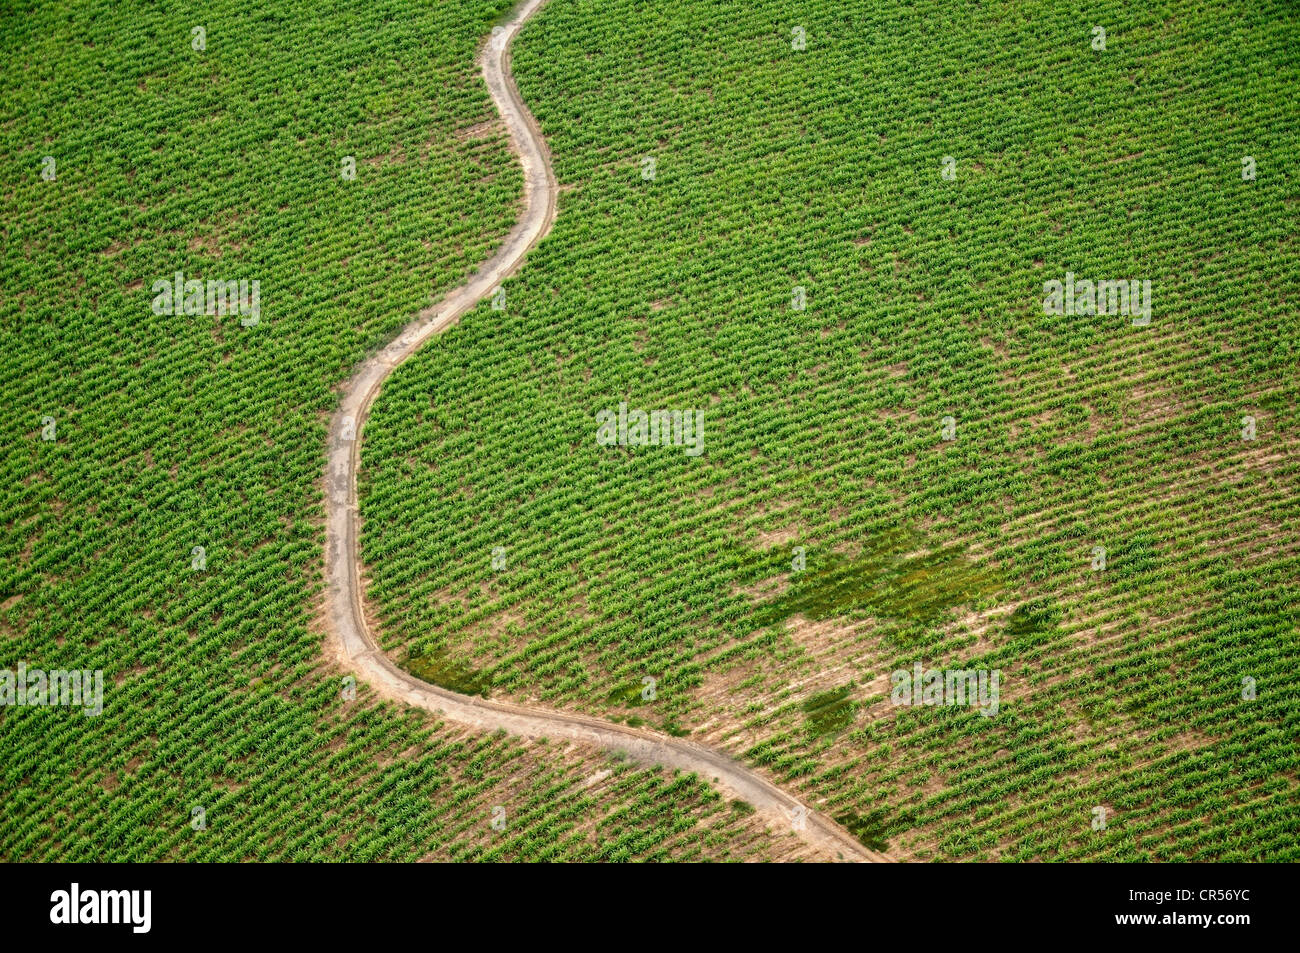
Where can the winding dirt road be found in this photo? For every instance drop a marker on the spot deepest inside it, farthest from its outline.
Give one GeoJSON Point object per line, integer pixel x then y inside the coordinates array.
{"type": "Point", "coordinates": [344, 611]}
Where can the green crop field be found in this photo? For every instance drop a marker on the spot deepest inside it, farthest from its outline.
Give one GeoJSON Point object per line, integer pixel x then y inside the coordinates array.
{"type": "Point", "coordinates": [979, 325]}
{"type": "Point", "coordinates": [1096, 519]}
{"type": "Point", "coordinates": [130, 438]}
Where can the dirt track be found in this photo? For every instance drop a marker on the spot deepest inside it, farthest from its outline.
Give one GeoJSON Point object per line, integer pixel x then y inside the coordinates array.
{"type": "Point", "coordinates": [344, 612]}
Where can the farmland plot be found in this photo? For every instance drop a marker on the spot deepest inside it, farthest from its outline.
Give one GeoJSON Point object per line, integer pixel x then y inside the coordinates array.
{"type": "Point", "coordinates": [332, 169]}
{"type": "Point", "coordinates": [865, 244]}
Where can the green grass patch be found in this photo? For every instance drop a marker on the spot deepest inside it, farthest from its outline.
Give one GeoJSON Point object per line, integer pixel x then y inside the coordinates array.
{"type": "Point", "coordinates": [439, 668]}
{"type": "Point", "coordinates": [829, 712]}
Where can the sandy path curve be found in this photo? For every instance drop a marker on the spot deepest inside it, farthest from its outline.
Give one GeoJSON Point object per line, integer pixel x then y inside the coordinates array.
{"type": "Point", "coordinates": [344, 613]}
